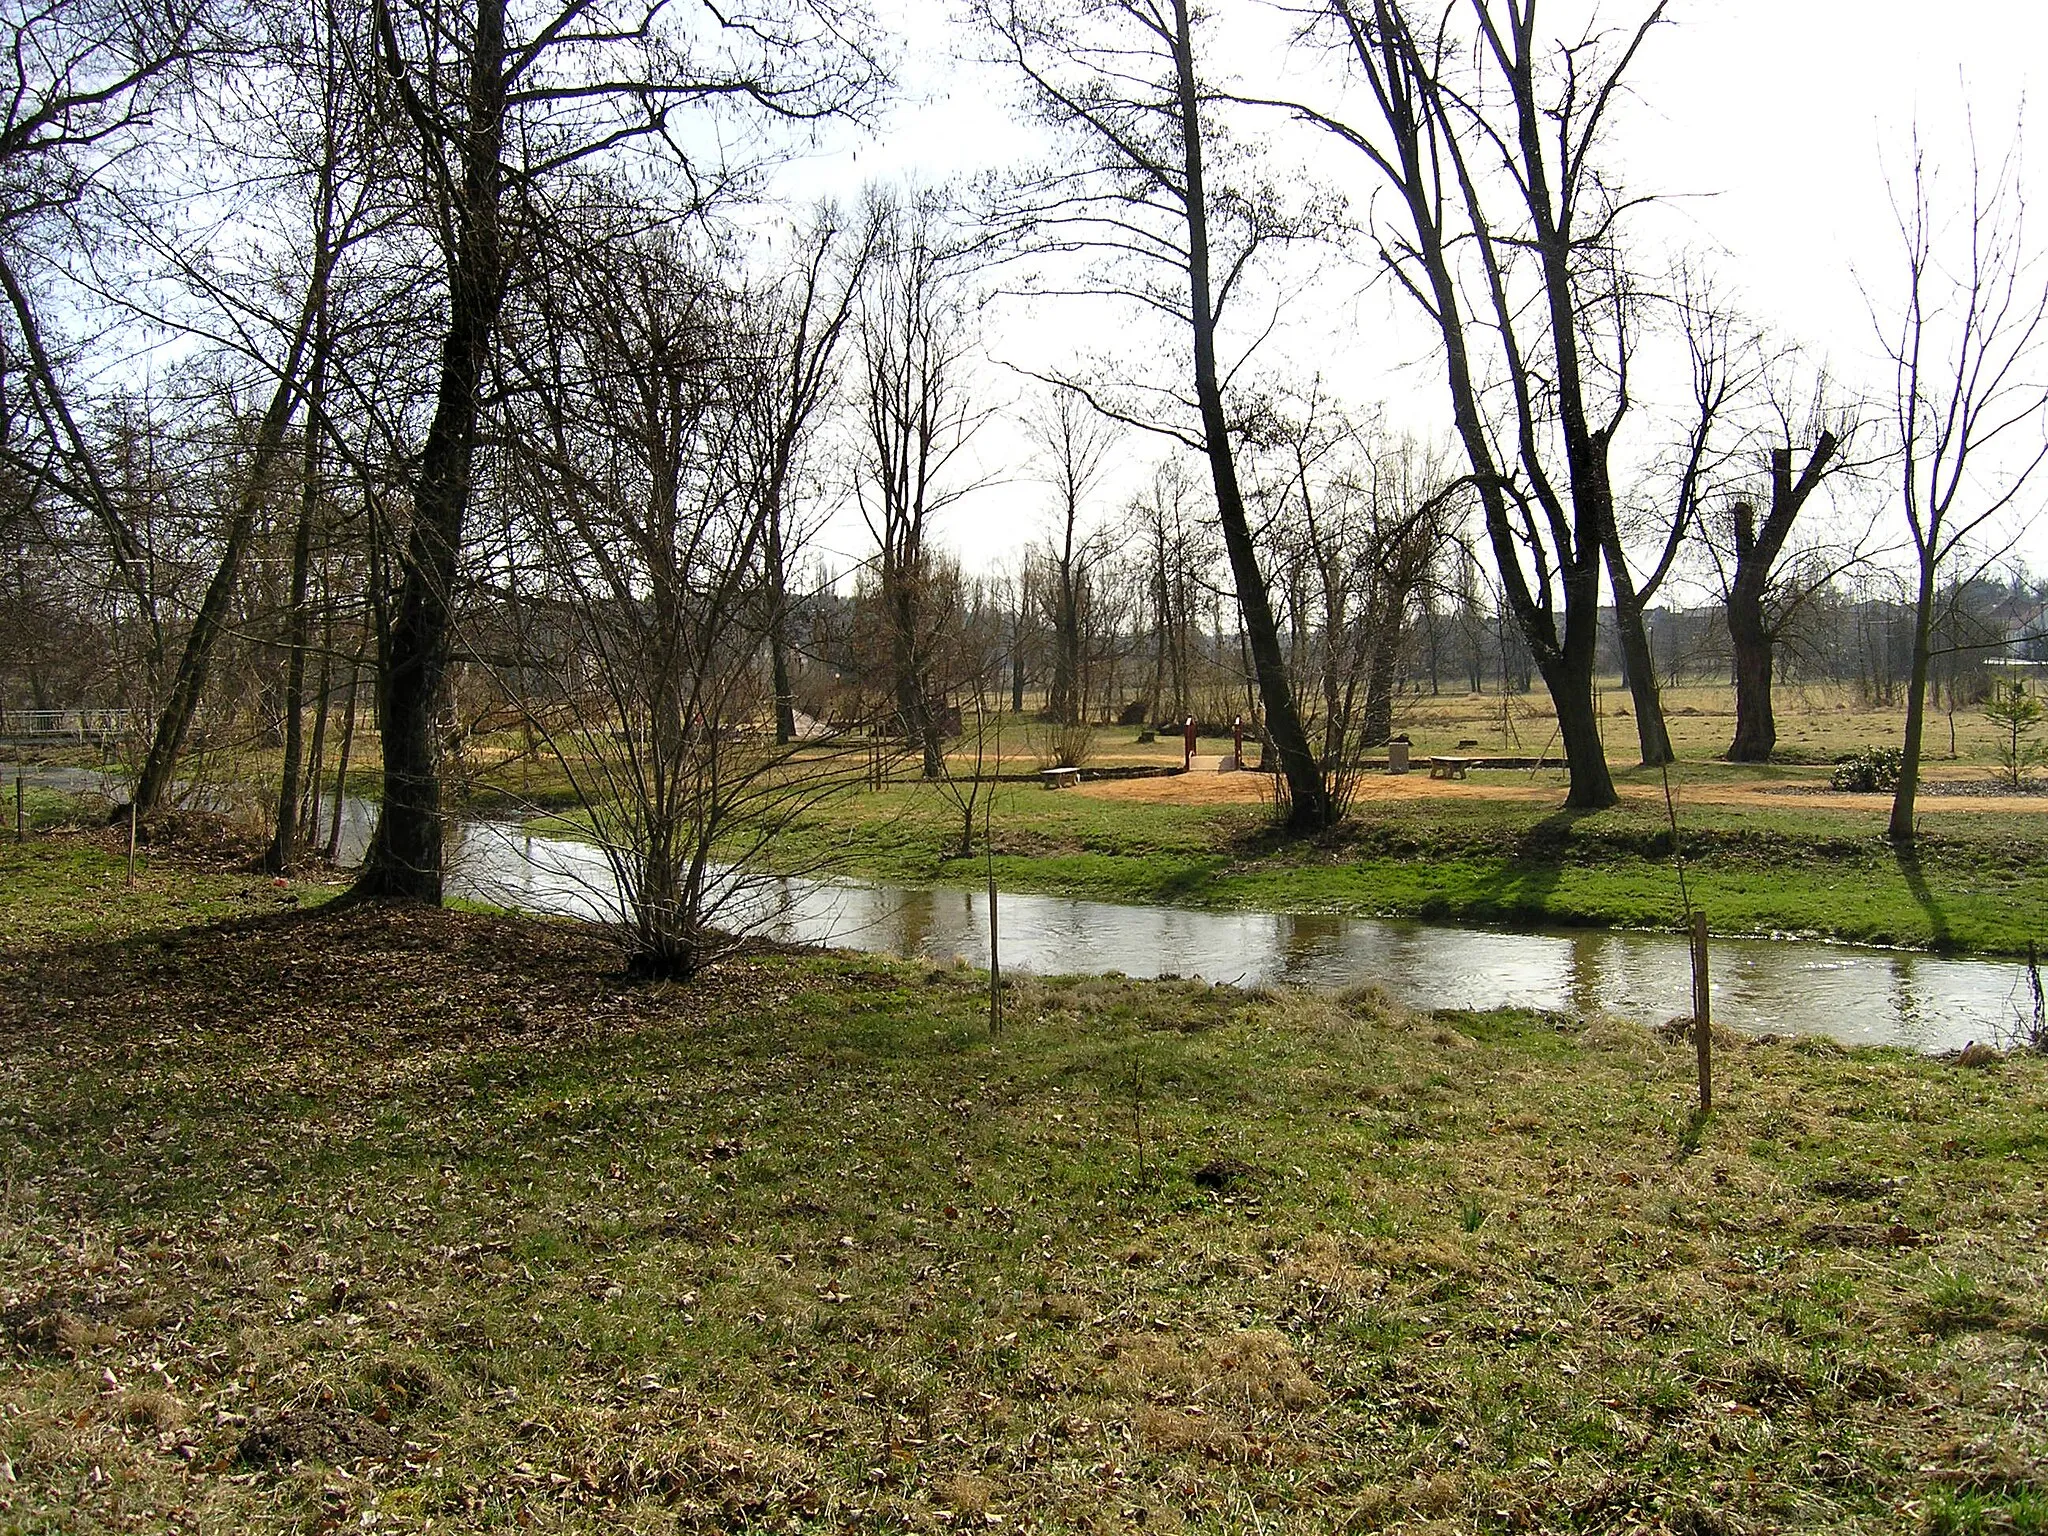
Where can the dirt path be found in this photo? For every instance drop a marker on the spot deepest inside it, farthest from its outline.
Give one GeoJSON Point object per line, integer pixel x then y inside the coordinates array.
{"type": "Point", "coordinates": [1546, 787]}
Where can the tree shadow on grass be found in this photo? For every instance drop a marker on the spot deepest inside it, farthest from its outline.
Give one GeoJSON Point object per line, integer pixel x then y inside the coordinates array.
{"type": "Point", "coordinates": [1916, 882]}
{"type": "Point", "coordinates": [1536, 860]}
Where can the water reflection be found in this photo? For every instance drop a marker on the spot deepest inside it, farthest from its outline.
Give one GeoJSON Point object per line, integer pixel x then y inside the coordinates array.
{"type": "Point", "coordinates": [1858, 996]}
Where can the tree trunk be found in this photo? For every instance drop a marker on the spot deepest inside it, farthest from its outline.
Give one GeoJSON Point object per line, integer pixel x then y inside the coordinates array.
{"type": "Point", "coordinates": [778, 623]}
{"type": "Point", "coordinates": [913, 709]}
{"type": "Point", "coordinates": [1652, 737]}
{"type": "Point", "coordinates": [1756, 727]}
{"type": "Point", "coordinates": [1901, 828]}
{"type": "Point", "coordinates": [348, 739]}
{"type": "Point", "coordinates": [404, 859]}
{"type": "Point", "coordinates": [1379, 681]}
{"type": "Point", "coordinates": [1578, 728]}
{"type": "Point", "coordinates": [174, 725]}
{"type": "Point", "coordinates": [316, 755]}
{"type": "Point", "coordinates": [1309, 804]}
{"type": "Point", "coordinates": [283, 850]}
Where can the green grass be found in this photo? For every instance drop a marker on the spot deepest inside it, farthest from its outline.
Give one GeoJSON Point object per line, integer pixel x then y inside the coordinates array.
{"type": "Point", "coordinates": [796, 1247]}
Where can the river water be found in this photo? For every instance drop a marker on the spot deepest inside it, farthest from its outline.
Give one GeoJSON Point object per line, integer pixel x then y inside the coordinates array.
{"type": "Point", "coordinates": [1856, 995]}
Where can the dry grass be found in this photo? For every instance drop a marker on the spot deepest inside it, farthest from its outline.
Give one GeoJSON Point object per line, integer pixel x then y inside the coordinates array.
{"type": "Point", "coordinates": [405, 1220]}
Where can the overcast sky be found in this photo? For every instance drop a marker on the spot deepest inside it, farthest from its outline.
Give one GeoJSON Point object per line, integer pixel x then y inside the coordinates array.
{"type": "Point", "coordinates": [1767, 128]}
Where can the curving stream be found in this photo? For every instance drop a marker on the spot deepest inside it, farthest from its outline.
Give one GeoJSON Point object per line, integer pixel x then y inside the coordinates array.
{"type": "Point", "coordinates": [1856, 995]}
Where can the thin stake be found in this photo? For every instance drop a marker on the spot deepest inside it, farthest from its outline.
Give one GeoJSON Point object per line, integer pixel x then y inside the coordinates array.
{"type": "Point", "coordinates": [20, 817]}
{"type": "Point", "coordinates": [995, 968]}
{"type": "Point", "coordinates": [131, 839]}
{"type": "Point", "coordinates": [988, 848]}
{"type": "Point", "coordinates": [1702, 1005]}
{"type": "Point", "coordinates": [1677, 857]}
{"type": "Point", "coordinates": [1702, 1011]}
{"type": "Point", "coordinates": [1138, 1113]}
{"type": "Point", "coordinates": [2039, 1033]}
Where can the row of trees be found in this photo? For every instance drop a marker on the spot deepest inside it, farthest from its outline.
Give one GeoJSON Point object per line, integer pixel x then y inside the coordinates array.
{"type": "Point", "coordinates": [463, 339]}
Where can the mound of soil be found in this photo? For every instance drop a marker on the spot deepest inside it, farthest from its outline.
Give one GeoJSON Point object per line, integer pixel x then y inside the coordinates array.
{"type": "Point", "coordinates": [314, 1434]}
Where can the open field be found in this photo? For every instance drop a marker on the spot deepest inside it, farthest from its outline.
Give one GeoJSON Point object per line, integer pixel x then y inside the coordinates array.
{"type": "Point", "coordinates": [397, 1220]}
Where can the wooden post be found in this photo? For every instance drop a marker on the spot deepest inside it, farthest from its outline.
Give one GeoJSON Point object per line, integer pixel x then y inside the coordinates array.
{"type": "Point", "coordinates": [1702, 1011]}
{"type": "Point", "coordinates": [20, 816]}
{"type": "Point", "coordinates": [995, 966]}
{"type": "Point", "coordinates": [131, 839]}
{"type": "Point", "coordinates": [1138, 1114]}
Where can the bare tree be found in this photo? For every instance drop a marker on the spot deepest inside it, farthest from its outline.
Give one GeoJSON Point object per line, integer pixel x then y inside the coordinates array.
{"type": "Point", "coordinates": [1966, 345]}
{"type": "Point", "coordinates": [640, 632]}
{"type": "Point", "coordinates": [79, 82]}
{"type": "Point", "coordinates": [1505, 240]}
{"type": "Point", "coordinates": [1073, 444]}
{"type": "Point", "coordinates": [505, 101]}
{"type": "Point", "coordinates": [808, 309]}
{"type": "Point", "coordinates": [917, 420]}
{"type": "Point", "coordinates": [1767, 580]}
{"type": "Point", "coordinates": [1367, 519]}
{"type": "Point", "coordinates": [1153, 190]}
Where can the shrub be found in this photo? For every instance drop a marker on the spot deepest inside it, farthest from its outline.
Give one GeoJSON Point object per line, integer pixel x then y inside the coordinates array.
{"type": "Point", "coordinates": [1869, 772]}
{"type": "Point", "coordinates": [2017, 715]}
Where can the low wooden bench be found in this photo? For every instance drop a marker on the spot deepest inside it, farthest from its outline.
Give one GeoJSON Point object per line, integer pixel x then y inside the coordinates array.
{"type": "Point", "coordinates": [1448, 767]}
{"type": "Point", "coordinates": [1060, 778]}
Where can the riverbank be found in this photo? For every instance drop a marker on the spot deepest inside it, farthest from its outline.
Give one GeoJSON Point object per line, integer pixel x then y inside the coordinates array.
{"type": "Point", "coordinates": [1766, 851]}
{"type": "Point", "coordinates": [437, 1197]}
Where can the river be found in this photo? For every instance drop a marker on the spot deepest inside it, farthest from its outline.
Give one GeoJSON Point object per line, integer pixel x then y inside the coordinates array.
{"type": "Point", "coordinates": [1784, 985]}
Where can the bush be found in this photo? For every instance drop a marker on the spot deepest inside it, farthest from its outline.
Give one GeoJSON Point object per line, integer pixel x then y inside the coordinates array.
{"type": "Point", "coordinates": [1870, 772]}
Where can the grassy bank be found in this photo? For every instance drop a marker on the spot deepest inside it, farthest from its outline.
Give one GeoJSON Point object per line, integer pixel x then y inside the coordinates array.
{"type": "Point", "coordinates": [1976, 881]}
{"type": "Point", "coordinates": [380, 1220]}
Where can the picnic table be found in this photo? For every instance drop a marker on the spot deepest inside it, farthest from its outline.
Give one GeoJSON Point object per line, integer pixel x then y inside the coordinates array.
{"type": "Point", "coordinates": [1448, 767]}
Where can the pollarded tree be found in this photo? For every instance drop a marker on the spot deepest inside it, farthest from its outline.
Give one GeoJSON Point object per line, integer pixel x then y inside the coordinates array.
{"type": "Point", "coordinates": [1766, 577]}
{"type": "Point", "coordinates": [1164, 211]}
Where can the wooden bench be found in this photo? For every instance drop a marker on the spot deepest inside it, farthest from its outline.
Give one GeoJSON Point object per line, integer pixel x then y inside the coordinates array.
{"type": "Point", "coordinates": [1448, 767]}
{"type": "Point", "coordinates": [1060, 778]}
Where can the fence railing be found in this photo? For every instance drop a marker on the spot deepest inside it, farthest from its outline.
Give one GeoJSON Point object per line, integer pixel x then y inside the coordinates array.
{"type": "Point", "coordinates": [66, 724]}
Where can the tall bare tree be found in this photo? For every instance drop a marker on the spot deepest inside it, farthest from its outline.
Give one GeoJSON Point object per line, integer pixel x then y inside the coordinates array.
{"type": "Point", "coordinates": [1073, 445]}
{"type": "Point", "coordinates": [1505, 240]}
{"type": "Point", "coordinates": [1967, 342]}
{"type": "Point", "coordinates": [918, 417]}
{"type": "Point", "coordinates": [1176, 220]}
{"type": "Point", "coordinates": [506, 98]}
{"type": "Point", "coordinates": [807, 309]}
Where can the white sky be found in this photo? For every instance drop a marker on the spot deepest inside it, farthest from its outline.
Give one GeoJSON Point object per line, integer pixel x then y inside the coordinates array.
{"type": "Point", "coordinates": [1767, 127]}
